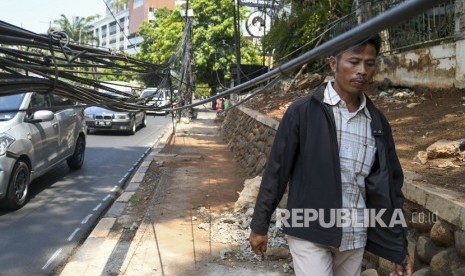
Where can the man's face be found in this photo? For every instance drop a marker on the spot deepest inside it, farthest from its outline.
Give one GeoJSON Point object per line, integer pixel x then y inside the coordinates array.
{"type": "Point", "coordinates": [354, 69]}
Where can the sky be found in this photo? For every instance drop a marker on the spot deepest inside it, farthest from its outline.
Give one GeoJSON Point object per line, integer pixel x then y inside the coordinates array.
{"type": "Point", "coordinates": [36, 15]}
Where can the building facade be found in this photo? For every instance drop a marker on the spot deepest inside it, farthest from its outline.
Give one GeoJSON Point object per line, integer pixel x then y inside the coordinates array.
{"type": "Point", "coordinates": [118, 29]}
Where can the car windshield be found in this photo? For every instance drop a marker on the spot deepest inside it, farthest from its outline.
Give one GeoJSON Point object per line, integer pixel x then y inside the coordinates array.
{"type": "Point", "coordinates": [9, 106]}
{"type": "Point", "coordinates": [152, 93]}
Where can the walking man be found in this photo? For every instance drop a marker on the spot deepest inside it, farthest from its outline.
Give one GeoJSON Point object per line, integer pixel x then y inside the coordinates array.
{"type": "Point", "coordinates": [336, 151]}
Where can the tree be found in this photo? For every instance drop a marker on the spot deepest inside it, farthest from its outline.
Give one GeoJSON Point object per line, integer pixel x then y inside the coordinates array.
{"type": "Point", "coordinates": [161, 36]}
{"type": "Point", "coordinates": [79, 29]}
{"type": "Point", "coordinates": [121, 3]}
{"type": "Point", "coordinates": [295, 33]}
{"type": "Point", "coordinates": [213, 39]}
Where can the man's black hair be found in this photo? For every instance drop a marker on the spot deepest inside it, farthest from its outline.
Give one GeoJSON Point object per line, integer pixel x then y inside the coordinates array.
{"type": "Point", "coordinates": [374, 40]}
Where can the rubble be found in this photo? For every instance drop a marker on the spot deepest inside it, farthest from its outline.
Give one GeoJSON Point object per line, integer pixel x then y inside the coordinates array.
{"type": "Point", "coordinates": [249, 194]}
{"type": "Point", "coordinates": [442, 154]}
{"type": "Point", "coordinates": [232, 227]}
{"type": "Point", "coordinates": [225, 252]}
{"type": "Point", "coordinates": [444, 149]}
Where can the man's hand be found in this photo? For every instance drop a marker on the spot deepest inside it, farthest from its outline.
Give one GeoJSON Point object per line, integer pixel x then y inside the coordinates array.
{"type": "Point", "coordinates": [403, 270]}
{"type": "Point", "coordinates": [258, 243]}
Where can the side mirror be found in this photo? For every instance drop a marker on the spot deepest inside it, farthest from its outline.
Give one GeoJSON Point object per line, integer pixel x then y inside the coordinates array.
{"type": "Point", "coordinates": [42, 116]}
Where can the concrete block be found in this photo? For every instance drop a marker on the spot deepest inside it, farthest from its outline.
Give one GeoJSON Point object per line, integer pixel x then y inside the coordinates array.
{"type": "Point", "coordinates": [125, 197]}
{"type": "Point", "coordinates": [103, 228]}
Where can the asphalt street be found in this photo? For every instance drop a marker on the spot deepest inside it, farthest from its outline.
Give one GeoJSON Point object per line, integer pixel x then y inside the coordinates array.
{"type": "Point", "coordinates": [65, 205]}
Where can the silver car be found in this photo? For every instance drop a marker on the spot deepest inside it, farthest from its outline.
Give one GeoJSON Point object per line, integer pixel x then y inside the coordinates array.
{"type": "Point", "coordinates": [37, 132]}
{"type": "Point", "coordinates": [99, 118]}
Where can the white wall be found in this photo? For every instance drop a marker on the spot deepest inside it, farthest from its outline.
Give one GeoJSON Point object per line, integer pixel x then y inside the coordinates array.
{"type": "Point", "coordinates": [436, 67]}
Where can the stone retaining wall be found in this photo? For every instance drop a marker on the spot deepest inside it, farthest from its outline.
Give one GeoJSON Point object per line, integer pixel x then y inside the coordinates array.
{"type": "Point", "coordinates": [249, 136]}
{"type": "Point", "coordinates": [435, 217]}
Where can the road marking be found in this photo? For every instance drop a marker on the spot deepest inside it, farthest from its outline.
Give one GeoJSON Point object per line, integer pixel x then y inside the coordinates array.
{"type": "Point", "coordinates": [97, 207]}
{"type": "Point", "coordinates": [114, 188]}
{"type": "Point", "coordinates": [106, 198]}
{"type": "Point", "coordinates": [54, 256]}
{"type": "Point", "coordinates": [84, 221]}
{"type": "Point", "coordinates": [71, 237]}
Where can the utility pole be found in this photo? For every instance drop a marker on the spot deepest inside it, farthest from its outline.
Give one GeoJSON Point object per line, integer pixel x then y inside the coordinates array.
{"type": "Point", "coordinates": [237, 41]}
{"type": "Point", "coordinates": [186, 69]}
{"type": "Point", "coordinates": [188, 99]}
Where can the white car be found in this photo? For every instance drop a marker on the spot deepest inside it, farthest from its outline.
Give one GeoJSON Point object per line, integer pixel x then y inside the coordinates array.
{"type": "Point", "coordinates": [156, 97]}
{"type": "Point", "coordinates": [37, 132]}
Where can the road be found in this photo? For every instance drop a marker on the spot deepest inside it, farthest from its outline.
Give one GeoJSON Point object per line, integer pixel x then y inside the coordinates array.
{"type": "Point", "coordinates": [64, 205]}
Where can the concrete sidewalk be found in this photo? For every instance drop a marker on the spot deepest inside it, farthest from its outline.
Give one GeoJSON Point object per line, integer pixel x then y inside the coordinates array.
{"type": "Point", "coordinates": [196, 172]}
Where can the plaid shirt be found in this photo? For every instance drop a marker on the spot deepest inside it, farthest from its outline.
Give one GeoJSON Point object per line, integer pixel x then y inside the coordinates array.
{"type": "Point", "coordinates": [356, 152]}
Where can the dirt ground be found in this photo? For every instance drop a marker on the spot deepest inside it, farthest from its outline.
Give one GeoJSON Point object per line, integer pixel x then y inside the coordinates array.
{"type": "Point", "coordinates": [418, 119]}
{"type": "Point", "coordinates": [196, 186]}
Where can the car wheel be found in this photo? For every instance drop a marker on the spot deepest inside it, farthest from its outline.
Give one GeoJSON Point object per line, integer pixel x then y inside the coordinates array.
{"type": "Point", "coordinates": [132, 127]}
{"type": "Point", "coordinates": [144, 121]}
{"type": "Point", "coordinates": [18, 187]}
{"type": "Point", "coordinates": [77, 159]}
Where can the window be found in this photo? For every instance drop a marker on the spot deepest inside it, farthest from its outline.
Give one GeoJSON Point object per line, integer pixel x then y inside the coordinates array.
{"type": "Point", "coordinates": [11, 103]}
{"type": "Point", "coordinates": [138, 3]}
{"type": "Point", "coordinates": [61, 102]}
{"type": "Point", "coordinates": [112, 28]}
{"type": "Point", "coordinates": [38, 102]}
{"type": "Point", "coordinates": [151, 15]}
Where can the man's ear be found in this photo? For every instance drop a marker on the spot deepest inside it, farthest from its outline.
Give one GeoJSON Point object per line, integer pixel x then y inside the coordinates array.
{"type": "Point", "coordinates": [333, 63]}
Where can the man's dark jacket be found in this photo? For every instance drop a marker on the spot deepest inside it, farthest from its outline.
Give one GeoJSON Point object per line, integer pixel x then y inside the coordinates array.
{"type": "Point", "coordinates": [305, 154]}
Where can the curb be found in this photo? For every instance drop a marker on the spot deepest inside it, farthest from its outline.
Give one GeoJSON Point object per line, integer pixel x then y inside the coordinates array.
{"type": "Point", "coordinates": [120, 203]}
{"type": "Point", "coordinates": [91, 257]}
{"type": "Point", "coordinates": [447, 204]}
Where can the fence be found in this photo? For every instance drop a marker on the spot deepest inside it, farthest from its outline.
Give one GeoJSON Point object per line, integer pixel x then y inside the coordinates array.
{"type": "Point", "coordinates": [431, 27]}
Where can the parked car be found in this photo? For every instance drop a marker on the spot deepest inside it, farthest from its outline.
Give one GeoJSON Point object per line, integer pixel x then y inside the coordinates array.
{"type": "Point", "coordinates": [99, 118]}
{"type": "Point", "coordinates": [156, 97]}
{"type": "Point", "coordinates": [34, 141]}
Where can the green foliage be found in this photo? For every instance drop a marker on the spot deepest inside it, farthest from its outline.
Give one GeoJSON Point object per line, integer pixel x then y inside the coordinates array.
{"type": "Point", "coordinates": [79, 29]}
{"type": "Point", "coordinates": [202, 90]}
{"type": "Point", "coordinates": [291, 35]}
{"type": "Point", "coordinates": [121, 3]}
{"type": "Point", "coordinates": [162, 36]}
{"type": "Point", "coordinates": [213, 39]}
{"type": "Point", "coordinates": [112, 75]}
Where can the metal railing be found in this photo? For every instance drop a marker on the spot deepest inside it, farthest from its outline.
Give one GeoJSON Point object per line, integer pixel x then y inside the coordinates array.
{"type": "Point", "coordinates": [431, 27]}
{"type": "Point", "coordinates": [434, 26]}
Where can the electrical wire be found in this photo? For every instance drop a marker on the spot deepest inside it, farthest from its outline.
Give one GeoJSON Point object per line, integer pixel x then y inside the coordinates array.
{"type": "Point", "coordinates": [58, 53]}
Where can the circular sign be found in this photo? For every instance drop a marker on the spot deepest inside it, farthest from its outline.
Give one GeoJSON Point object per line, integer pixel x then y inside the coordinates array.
{"type": "Point", "coordinates": [258, 24]}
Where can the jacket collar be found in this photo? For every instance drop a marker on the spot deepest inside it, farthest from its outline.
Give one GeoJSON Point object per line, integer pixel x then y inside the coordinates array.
{"type": "Point", "coordinates": [376, 124]}
{"type": "Point", "coordinates": [331, 97]}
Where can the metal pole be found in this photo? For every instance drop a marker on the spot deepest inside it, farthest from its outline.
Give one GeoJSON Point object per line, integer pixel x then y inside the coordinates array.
{"type": "Point", "coordinates": [237, 43]}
